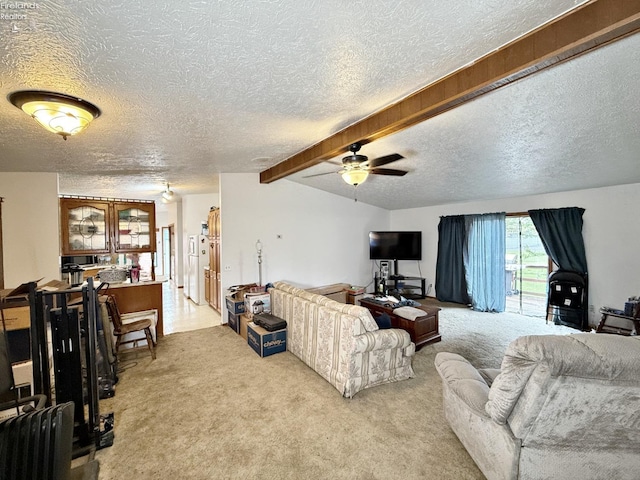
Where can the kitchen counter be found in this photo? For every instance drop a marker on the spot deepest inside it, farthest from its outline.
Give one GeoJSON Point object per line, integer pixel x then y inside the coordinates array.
{"type": "Point", "coordinates": [136, 297]}
{"type": "Point", "coordinates": [128, 283]}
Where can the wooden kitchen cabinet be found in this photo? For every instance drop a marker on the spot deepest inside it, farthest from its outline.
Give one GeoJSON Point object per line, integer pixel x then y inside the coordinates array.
{"type": "Point", "coordinates": [213, 222]}
{"type": "Point", "coordinates": [134, 227]}
{"type": "Point", "coordinates": [207, 285]}
{"type": "Point", "coordinates": [84, 226]}
{"type": "Point", "coordinates": [100, 226]}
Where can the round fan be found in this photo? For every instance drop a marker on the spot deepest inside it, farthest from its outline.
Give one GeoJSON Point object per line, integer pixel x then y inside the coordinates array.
{"type": "Point", "coordinates": [356, 168]}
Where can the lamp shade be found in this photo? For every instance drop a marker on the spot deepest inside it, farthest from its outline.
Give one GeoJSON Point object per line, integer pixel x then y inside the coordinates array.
{"type": "Point", "coordinates": [56, 112]}
{"type": "Point", "coordinates": [168, 195]}
{"type": "Point", "coordinates": [355, 176]}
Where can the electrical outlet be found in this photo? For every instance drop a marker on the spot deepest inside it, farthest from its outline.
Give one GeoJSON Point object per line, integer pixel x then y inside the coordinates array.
{"type": "Point", "coordinates": [227, 268]}
{"type": "Point", "coordinates": [592, 309]}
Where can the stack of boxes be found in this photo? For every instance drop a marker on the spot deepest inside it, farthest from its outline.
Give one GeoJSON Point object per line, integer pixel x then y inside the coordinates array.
{"type": "Point", "coordinates": [241, 307]}
{"type": "Point", "coordinates": [235, 308]}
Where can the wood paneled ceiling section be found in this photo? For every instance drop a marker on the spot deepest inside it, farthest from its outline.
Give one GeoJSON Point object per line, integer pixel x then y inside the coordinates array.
{"type": "Point", "coordinates": [582, 30]}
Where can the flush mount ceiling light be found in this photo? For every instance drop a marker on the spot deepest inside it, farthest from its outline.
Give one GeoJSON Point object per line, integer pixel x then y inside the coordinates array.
{"type": "Point", "coordinates": [167, 195]}
{"type": "Point", "coordinates": [354, 176]}
{"type": "Point", "coordinates": [57, 112]}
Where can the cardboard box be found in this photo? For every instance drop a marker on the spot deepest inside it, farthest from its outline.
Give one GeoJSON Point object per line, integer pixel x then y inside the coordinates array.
{"type": "Point", "coordinates": [17, 318]}
{"type": "Point", "coordinates": [237, 291]}
{"type": "Point", "coordinates": [266, 343]}
{"type": "Point", "coordinates": [244, 322]}
{"type": "Point", "coordinates": [256, 303]}
{"type": "Point", "coordinates": [234, 322]}
{"type": "Point", "coordinates": [234, 306]}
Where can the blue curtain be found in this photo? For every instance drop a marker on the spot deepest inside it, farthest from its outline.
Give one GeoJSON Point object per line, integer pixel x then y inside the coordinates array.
{"type": "Point", "coordinates": [560, 230]}
{"type": "Point", "coordinates": [450, 281]}
{"type": "Point", "coordinates": [484, 261]}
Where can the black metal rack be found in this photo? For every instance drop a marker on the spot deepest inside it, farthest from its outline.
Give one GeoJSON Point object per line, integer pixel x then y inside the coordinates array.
{"type": "Point", "coordinates": [73, 348]}
{"type": "Point", "coordinates": [396, 285]}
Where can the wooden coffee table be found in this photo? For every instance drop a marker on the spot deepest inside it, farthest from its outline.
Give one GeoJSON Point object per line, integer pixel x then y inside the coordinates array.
{"type": "Point", "coordinates": [422, 330]}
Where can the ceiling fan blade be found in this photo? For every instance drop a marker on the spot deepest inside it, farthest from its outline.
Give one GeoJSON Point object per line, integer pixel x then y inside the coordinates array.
{"type": "Point", "coordinates": [318, 174]}
{"type": "Point", "coordinates": [378, 162]}
{"type": "Point", "coordinates": [387, 171]}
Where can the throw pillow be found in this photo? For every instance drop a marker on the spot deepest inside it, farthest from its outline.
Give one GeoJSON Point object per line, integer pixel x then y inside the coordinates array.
{"type": "Point", "coordinates": [383, 321]}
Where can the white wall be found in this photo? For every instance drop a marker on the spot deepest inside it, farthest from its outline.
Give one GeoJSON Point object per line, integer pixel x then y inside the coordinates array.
{"type": "Point", "coordinates": [31, 242]}
{"type": "Point", "coordinates": [174, 217]}
{"type": "Point", "coordinates": [610, 232]}
{"type": "Point", "coordinates": [162, 218]}
{"type": "Point", "coordinates": [309, 237]}
{"type": "Point", "coordinates": [195, 209]}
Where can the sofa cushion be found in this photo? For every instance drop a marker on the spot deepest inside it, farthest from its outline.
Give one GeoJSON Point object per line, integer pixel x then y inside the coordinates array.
{"type": "Point", "coordinates": [362, 313]}
{"type": "Point", "coordinates": [383, 321]}
{"type": "Point", "coordinates": [585, 355]}
{"type": "Point", "coordinates": [489, 374]}
{"type": "Point", "coordinates": [357, 311]}
{"type": "Point", "coordinates": [463, 380]}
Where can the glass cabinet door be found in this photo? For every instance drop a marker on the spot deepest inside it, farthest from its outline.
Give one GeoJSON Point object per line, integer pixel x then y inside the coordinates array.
{"type": "Point", "coordinates": [134, 227]}
{"type": "Point", "coordinates": [84, 226]}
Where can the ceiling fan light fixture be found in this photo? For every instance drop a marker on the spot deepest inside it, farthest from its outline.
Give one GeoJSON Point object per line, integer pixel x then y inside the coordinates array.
{"type": "Point", "coordinates": [355, 177]}
{"type": "Point", "coordinates": [59, 113]}
{"type": "Point", "coordinates": [167, 195]}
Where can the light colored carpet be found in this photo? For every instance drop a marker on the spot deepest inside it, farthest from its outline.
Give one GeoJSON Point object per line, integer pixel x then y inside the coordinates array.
{"type": "Point", "coordinates": [210, 408]}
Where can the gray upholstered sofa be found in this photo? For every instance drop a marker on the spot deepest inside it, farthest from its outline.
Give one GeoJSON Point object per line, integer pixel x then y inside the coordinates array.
{"type": "Point", "coordinates": [341, 342]}
{"type": "Point", "coordinates": [560, 407]}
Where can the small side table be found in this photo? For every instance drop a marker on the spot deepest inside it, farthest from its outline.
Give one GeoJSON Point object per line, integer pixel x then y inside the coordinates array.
{"type": "Point", "coordinates": [603, 327]}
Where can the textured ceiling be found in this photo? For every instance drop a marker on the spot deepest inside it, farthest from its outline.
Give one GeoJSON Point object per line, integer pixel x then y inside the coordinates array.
{"type": "Point", "coordinates": [192, 89]}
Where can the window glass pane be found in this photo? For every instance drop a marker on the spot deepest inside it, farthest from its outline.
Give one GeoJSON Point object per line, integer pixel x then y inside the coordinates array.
{"type": "Point", "coordinates": [527, 268]}
{"type": "Point", "coordinates": [87, 228]}
{"type": "Point", "coordinates": [133, 228]}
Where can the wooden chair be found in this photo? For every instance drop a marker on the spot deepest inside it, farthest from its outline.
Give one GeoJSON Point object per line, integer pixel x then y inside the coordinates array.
{"type": "Point", "coordinates": [121, 329]}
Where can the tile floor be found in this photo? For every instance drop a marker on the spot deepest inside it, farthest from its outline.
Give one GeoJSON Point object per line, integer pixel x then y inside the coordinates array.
{"type": "Point", "coordinates": [181, 315]}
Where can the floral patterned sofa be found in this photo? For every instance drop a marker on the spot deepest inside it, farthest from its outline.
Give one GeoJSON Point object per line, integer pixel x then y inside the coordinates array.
{"type": "Point", "coordinates": [341, 342]}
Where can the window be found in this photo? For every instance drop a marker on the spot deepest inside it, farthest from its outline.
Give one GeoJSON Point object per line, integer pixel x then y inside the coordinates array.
{"type": "Point", "coordinates": [527, 267]}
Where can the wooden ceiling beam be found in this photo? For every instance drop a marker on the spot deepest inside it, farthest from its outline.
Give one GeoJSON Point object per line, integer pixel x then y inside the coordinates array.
{"type": "Point", "coordinates": [586, 28]}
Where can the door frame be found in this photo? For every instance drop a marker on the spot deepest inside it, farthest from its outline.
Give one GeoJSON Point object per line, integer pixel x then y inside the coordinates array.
{"type": "Point", "coordinates": [519, 277]}
{"type": "Point", "coordinates": [168, 250]}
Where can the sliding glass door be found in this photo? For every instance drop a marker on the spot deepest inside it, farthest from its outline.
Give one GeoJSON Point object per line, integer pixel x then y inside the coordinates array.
{"type": "Point", "coordinates": [526, 269]}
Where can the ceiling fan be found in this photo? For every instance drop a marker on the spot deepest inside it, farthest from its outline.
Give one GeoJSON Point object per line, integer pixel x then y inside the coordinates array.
{"type": "Point", "coordinates": [356, 168]}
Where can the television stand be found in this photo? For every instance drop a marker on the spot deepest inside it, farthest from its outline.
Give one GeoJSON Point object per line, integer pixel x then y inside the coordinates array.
{"type": "Point", "coordinates": [408, 287]}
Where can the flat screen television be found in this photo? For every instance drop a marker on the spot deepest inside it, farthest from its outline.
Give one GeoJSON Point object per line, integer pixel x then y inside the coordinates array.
{"type": "Point", "coordinates": [395, 245]}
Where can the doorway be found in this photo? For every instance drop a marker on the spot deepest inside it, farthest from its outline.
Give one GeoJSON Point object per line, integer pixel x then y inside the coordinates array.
{"type": "Point", "coordinates": [167, 249]}
{"type": "Point", "coordinates": [527, 267]}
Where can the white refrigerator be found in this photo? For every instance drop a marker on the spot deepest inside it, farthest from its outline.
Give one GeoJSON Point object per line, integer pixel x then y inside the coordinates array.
{"type": "Point", "coordinates": [198, 259]}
